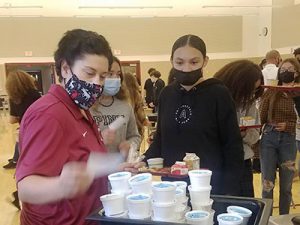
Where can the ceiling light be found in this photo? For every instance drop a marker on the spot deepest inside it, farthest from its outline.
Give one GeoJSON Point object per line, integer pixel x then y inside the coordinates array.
{"type": "Point", "coordinates": [10, 6]}
{"type": "Point", "coordinates": [26, 16]}
{"type": "Point", "coordinates": [240, 6]}
{"type": "Point", "coordinates": [142, 16]}
{"type": "Point", "coordinates": [19, 16]}
{"type": "Point", "coordinates": [88, 16]}
{"type": "Point", "coordinates": [100, 16]}
{"type": "Point", "coordinates": [236, 6]}
{"type": "Point", "coordinates": [124, 7]}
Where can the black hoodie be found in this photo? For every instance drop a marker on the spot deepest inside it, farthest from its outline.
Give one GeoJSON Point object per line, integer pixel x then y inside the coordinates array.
{"type": "Point", "coordinates": [203, 121]}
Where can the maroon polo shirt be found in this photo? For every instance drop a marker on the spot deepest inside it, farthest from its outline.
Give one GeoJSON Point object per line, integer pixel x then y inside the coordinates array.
{"type": "Point", "coordinates": [52, 133]}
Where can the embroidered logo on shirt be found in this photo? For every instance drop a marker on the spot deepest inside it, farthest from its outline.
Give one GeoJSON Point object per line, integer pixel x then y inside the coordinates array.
{"type": "Point", "coordinates": [83, 134]}
{"type": "Point", "coordinates": [183, 114]}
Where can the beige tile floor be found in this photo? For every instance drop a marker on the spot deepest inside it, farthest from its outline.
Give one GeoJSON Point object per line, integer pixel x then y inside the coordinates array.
{"type": "Point", "coordinates": [10, 215]}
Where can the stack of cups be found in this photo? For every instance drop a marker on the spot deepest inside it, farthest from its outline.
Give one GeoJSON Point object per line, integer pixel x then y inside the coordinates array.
{"type": "Point", "coordinates": [139, 206]}
{"type": "Point", "coordinates": [119, 184]}
{"type": "Point", "coordinates": [181, 204]}
{"type": "Point", "coordinates": [243, 212]}
{"type": "Point", "coordinates": [200, 189]}
{"type": "Point", "coordinates": [164, 201]}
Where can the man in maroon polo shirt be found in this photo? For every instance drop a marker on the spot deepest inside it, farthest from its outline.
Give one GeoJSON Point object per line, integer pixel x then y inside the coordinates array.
{"type": "Point", "coordinates": [58, 133]}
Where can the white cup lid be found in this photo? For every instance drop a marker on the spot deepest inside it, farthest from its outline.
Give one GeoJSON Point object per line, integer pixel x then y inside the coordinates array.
{"type": "Point", "coordinates": [109, 197]}
{"type": "Point", "coordinates": [141, 178]}
{"type": "Point", "coordinates": [138, 197]}
{"type": "Point", "coordinates": [164, 186]}
{"type": "Point", "coordinates": [200, 173]}
{"type": "Point", "coordinates": [244, 212]}
{"type": "Point", "coordinates": [119, 175]}
{"type": "Point", "coordinates": [155, 160]}
{"type": "Point", "coordinates": [230, 218]}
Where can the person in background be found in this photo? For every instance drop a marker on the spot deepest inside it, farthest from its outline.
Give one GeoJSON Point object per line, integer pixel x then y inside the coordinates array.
{"type": "Point", "coordinates": [243, 78]}
{"type": "Point", "coordinates": [22, 92]}
{"type": "Point", "coordinates": [136, 102]}
{"type": "Point", "coordinates": [273, 59]}
{"type": "Point", "coordinates": [297, 104]}
{"type": "Point", "coordinates": [198, 116]}
{"type": "Point", "coordinates": [171, 77]}
{"type": "Point", "coordinates": [277, 146]}
{"type": "Point", "coordinates": [262, 64]}
{"type": "Point", "coordinates": [297, 173]}
{"type": "Point", "coordinates": [297, 54]}
{"type": "Point", "coordinates": [58, 133]}
{"type": "Point", "coordinates": [148, 88]}
{"type": "Point", "coordinates": [112, 104]}
{"type": "Point", "coordinates": [158, 85]}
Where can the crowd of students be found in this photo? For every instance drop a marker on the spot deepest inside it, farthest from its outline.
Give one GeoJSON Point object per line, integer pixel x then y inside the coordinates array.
{"type": "Point", "coordinates": [60, 130]}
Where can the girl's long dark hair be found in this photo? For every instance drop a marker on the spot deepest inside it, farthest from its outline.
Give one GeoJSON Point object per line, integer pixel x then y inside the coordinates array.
{"type": "Point", "coordinates": [240, 77]}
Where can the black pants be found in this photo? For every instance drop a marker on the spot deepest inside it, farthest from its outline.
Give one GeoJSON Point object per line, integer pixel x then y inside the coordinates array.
{"type": "Point", "coordinates": [246, 183]}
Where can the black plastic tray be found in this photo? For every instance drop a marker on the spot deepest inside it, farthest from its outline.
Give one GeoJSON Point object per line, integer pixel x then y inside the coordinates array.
{"type": "Point", "coordinates": [261, 211]}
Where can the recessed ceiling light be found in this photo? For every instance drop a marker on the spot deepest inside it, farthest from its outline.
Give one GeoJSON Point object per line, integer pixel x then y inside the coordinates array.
{"type": "Point", "coordinates": [124, 7]}
{"type": "Point", "coordinates": [10, 6]}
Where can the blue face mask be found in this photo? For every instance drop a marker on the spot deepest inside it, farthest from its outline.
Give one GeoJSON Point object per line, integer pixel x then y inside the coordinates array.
{"type": "Point", "coordinates": [111, 86]}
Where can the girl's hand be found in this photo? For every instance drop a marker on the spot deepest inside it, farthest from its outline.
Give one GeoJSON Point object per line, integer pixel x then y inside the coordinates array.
{"type": "Point", "coordinates": [131, 167]}
{"type": "Point", "coordinates": [280, 126]}
{"type": "Point", "coordinates": [124, 147]}
{"type": "Point", "coordinates": [109, 136]}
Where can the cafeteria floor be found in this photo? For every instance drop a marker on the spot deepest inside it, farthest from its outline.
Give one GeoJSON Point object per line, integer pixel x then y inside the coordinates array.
{"type": "Point", "coordinates": [9, 215]}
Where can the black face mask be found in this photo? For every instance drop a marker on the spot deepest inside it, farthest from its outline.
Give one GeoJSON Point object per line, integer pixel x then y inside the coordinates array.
{"type": "Point", "coordinates": [187, 78]}
{"type": "Point", "coordinates": [286, 77]}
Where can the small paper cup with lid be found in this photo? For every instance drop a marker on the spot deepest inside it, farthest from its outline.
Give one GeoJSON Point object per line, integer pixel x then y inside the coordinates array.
{"type": "Point", "coordinates": [141, 183]}
{"type": "Point", "coordinates": [229, 219]}
{"type": "Point", "coordinates": [200, 178]}
{"type": "Point", "coordinates": [113, 204]}
{"type": "Point", "coordinates": [164, 192]}
{"type": "Point", "coordinates": [119, 182]}
{"type": "Point", "coordinates": [139, 206]}
{"type": "Point", "coordinates": [243, 212]}
{"type": "Point", "coordinates": [198, 217]}
{"type": "Point", "coordinates": [200, 194]}
{"type": "Point", "coordinates": [157, 163]}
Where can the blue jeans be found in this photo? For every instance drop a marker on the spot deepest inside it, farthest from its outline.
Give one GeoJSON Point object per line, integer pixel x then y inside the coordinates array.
{"type": "Point", "coordinates": [278, 149]}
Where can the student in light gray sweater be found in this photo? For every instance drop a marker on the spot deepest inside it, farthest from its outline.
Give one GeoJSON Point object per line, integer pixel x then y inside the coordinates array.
{"type": "Point", "coordinates": [112, 104]}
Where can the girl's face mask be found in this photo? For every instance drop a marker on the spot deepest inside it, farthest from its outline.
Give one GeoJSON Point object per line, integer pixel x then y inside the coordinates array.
{"type": "Point", "coordinates": [111, 86]}
{"type": "Point", "coordinates": [286, 76]}
{"type": "Point", "coordinates": [188, 78]}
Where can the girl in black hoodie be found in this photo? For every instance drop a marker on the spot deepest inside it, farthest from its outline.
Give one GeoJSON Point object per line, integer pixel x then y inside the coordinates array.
{"type": "Point", "coordinates": [199, 116]}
